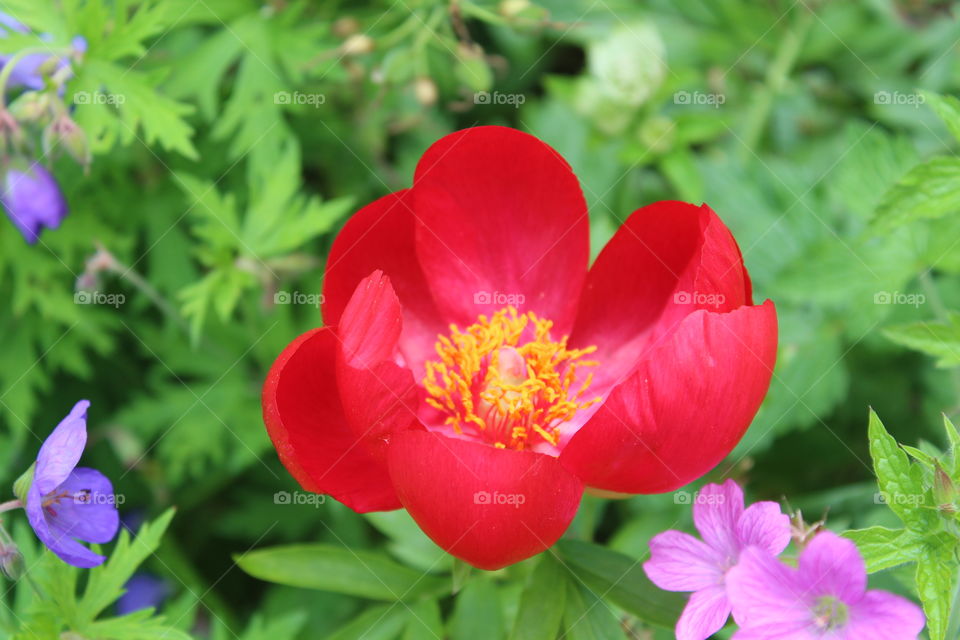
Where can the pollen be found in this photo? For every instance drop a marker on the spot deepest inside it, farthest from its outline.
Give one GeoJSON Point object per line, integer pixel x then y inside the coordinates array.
{"type": "Point", "coordinates": [506, 381]}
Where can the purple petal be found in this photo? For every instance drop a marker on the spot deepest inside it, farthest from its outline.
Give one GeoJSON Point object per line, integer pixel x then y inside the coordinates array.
{"type": "Point", "coordinates": [778, 631]}
{"type": "Point", "coordinates": [832, 565]}
{"type": "Point", "coordinates": [680, 562]}
{"type": "Point", "coordinates": [705, 614]}
{"type": "Point", "coordinates": [764, 525]}
{"type": "Point", "coordinates": [764, 591]}
{"type": "Point", "coordinates": [142, 591]}
{"type": "Point", "coordinates": [89, 512]}
{"type": "Point", "coordinates": [61, 450]}
{"type": "Point", "coordinates": [68, 549]}
{"type": "Point", "coordinates": [884, 616]}
{"type": "Point", "coordinates": [716, 512]}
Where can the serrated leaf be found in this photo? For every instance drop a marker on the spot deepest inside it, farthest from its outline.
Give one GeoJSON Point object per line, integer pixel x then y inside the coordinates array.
{"type": "Point", "coordinates": [948, 108]}
{"type": "Point", "coordinates": [900, 485]}
{"type": "Point", "coordinates": [884, 548]}
{"type": "Point", "coordinates": [936, 582]}
{"type": "Point", "coordinates": [934, 338]}
{"type": "Point", "coordinates": [535, 621]}
{"type": "Point", "coordinates": [360, 573]}
{"type": "Point", "coordinates": [929, 190]}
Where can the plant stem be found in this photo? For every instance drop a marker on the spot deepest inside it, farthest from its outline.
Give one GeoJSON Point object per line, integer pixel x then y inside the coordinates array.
{"type": "Point", "coordinates": [10, 505]}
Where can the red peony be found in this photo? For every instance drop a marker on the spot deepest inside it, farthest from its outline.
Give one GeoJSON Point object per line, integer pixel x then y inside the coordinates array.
{"type": "Point", "coordinates": [474, 371]}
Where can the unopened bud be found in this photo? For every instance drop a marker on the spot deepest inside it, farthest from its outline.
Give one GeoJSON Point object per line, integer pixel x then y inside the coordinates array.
{"type": "Point", "coordinates": [63, 131]}
{"type": "Point", "coordinates": [11, 561]}
{"type": "Point", "coordinates": [31, 106]}
{"type": "Point", "coordinates": [425, 89]}
{"type": "Point", "coordinates": [944, 491]}
{"type": "Point", "coordinates": [357, 44]}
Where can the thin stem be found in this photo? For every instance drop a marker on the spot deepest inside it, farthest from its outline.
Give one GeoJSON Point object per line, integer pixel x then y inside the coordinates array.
{"type": "Point", "coordinates": [10, 505]}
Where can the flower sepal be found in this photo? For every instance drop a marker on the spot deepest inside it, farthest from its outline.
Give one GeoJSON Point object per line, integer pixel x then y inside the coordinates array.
{"type": "Point", "coordinates": [21, 486]}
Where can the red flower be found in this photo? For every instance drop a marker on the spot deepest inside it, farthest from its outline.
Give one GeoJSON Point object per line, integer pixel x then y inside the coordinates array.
{"type": "Point", "coordinates": [475, 372]}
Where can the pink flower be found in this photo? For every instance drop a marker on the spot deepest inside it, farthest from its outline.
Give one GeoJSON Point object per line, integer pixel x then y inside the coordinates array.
{"type": "Point", "coordinates": [681, 562]}
{"type": "Point", "coordinates": [825, 597]}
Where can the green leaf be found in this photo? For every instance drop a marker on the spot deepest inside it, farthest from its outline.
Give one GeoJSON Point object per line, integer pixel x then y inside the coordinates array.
{"type": "Point", "coordinates": [329, 568]}
{"type": "Point", "coordinates": [425, 622]}
{"type": "Point", "coordinates": [929, 190]}
{"type": "Point", "coordinates": [588, 617]}
{"type": "Point", "coordinates": [106, 582]}
{"type": "Point", "coordinates": [938, 339]}
{"type": "Point", "coordinates": [948, 108]}
{"type": "Point", "coordinates": [622, 581]}
{"type": "Point", "coordinates": [476, 612]}
{"type": "Point", "coordinates": [542, 602]}
{"type": "Point", "coordinates": [953, 442]}
{"type": "Point", "coordinates": [900, 483]}
{"type": "Point", "coordinates": [936, 576]}
{"type": "Point", "coordinates": [135, 626]}
{"type": "Point", "coordinates": [384, 622]}
{"type": "Point", "coordinates": [884, 548]}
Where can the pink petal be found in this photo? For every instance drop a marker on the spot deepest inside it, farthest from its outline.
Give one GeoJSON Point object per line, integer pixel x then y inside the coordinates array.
{"type": "Point", "coordinates": [884, 616]}
{"type": "Point", "coordinates": [764, 591]}
{"type": "Point", "coordinates": [764, 525]}
{"type": "Point", "coordinates": [716, 512]}
{"type": "Point", "coordinates": [832, 565]}
{"type": "Point", "coordinates": [705, 614]}
{"type": "Point", "coordinates": [680, 562]}
{"type": "Point", "coordinates": [777, 631]}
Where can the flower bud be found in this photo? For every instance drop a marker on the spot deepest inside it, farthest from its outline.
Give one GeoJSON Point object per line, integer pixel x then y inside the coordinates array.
{"type": "Point", "coordinates": [425, 89]}
{"type": "Point", "coordinates": [31, 106]}
{"type": "Point", "coordinates": [11, 561]}
{"type": "Point", "coordinates": [357, 44]}
{"type": "Point", "coordinates": [944, 492]}
{"type": "Point", "coordinates": [32, 198]}
{"type": "Point", "coordinates": [63, 131]}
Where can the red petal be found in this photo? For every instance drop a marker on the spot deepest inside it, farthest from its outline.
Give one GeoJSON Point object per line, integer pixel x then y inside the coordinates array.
{"type": "Point", "coordinates": [666, 261]}
{"type": "Point", "coordinates": [491, 507]}
{"type": "Point", "coordinates": [305, 420]}
{"type": "Point", "coordinates": [684, 408]}
{"type": "Point", "coordinates": [378, 395]}
{"type": "Point", "coordinates": [500, 214]}
{"type": "Point", "coordinates": [381, 236]}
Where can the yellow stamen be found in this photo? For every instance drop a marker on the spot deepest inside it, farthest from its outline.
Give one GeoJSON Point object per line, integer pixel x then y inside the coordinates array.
{"type": "Point", "coordinates": [511, 394]}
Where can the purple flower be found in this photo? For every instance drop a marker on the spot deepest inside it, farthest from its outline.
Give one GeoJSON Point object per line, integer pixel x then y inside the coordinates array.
{"type": "Point", "coordinates": [65, 501]}
{"type": "Point", "coordinates": [826, 597]}
{"type": "Point", "coordinates": [681, 562]}
{"type": "Point", "coordinates": [142, 591]}
{"type": "Point", "coordinates": [29, 72]}
{"type": "Point", "coordinates": [32, 199]}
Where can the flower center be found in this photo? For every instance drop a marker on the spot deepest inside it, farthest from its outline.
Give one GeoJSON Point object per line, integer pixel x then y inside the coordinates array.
{"type": "Point", "coordinates": [829, 613]}
{"type": "Point", "coordinates": [507, 381]}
